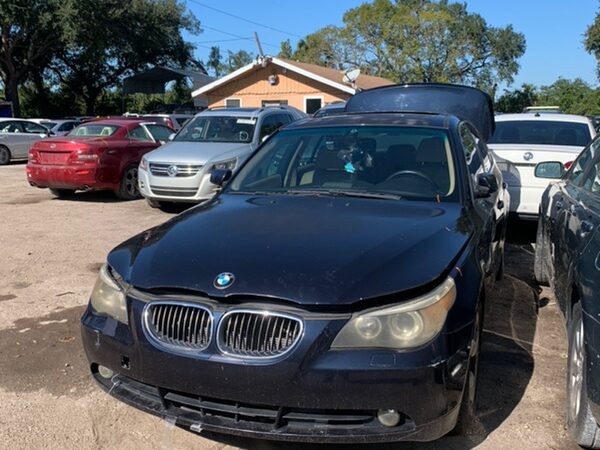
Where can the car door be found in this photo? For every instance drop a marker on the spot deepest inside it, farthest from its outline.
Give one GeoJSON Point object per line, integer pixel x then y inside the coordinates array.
{"type": "Point", "coordinates": [565, 210]}
{"type": "Point", "coordinates": [33, 132]}
{"type": "Point", "coordinates": [14, 138]}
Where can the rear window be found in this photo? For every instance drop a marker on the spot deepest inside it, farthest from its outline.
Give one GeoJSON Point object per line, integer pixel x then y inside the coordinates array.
{"type": "Point", "coordinates": [541, 132]}
{"type": "Point", "coordinates": [94, 130]}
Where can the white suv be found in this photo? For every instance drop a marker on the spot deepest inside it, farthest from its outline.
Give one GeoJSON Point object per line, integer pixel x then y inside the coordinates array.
{"type": "Point", "coordinates": [521, 141]}
{"type": "Point", "coordinates": [179, 171]}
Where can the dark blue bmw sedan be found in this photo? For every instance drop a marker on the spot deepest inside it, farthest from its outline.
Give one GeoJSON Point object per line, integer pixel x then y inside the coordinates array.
{"type": "Point", "coordinates": [332, 292]}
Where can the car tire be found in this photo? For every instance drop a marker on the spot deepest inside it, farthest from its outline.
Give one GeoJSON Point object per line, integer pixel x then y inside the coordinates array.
{"type": "Point", "coordinates": [580, 421]}
{"type": "Point", "coordinates": [539, 269]}
{"type": "Point", "coordinates": [128, 188]}
{"type": "Point", "coordinates": [62, 193]}
{"type": "Point", "coordinates": [154, 203]}
{"type": "Point", "coordinates": [4, 155]}
{"type": "Point", "coordinates": [466, 413]}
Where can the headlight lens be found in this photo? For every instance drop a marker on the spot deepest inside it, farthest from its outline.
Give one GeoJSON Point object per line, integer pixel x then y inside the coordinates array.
{"type": "Point", "coordinates": [403, 326]}
{"type": "Point", "coordinates": [144, 164]}
{"type": "Point", "coordinates": [227, 165]}
{"type": "Point", "coordinates": [107, 296]}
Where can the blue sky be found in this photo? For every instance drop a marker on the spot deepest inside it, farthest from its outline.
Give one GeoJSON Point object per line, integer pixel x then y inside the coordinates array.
{"type": "Point", "coordinates": [553, 29]}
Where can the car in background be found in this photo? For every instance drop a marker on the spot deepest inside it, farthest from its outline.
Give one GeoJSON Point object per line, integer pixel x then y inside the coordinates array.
{"type": "Point", "coordinates": [175, 121]}
{"type": "Point", "coordinates": [97, 155]}
{"type": "Point", "coordinates": [16, 138]}
{"type": "Point", "coordinates": [523, 140]}
{"type": "Point", "coordinates": [330, 109]}
{"type": "Point", "coordinates": [567, 256]}
{"type": "Point", "coordinates": [60, 127]}
{"type": "Point", "coordinates": [333, 291]}
{"type": "Point", "coordinates": [221, 138]}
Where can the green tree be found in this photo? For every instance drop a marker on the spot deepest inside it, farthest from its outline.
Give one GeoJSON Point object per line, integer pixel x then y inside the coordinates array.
{"type": "Point", "coordinates": [418, 41]}
{"type": "Point", "coordinates": [215, 61]}
{"type": "Point", "coordinates": [573, 96]}
{"type": "Point", "coordinates": [514, 101]}
{"type": "Point", "coordinates": [286, 50]}
{"type": "Point", "coordinates": [238, 59]}
{"type": "Point", "coordinates": [30, 36]}
{"type": "Point", "coordinates": [108, 40]}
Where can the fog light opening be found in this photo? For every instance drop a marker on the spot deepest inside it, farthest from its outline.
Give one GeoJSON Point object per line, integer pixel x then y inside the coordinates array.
{"type": "Point", "coordinates": [105, 372]}
{"type": "Point", "coordinates": [388, 417]}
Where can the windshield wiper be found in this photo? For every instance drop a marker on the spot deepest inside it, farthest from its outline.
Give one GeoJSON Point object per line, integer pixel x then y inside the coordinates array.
{"type": "Point", "coordinates": [343, 193]}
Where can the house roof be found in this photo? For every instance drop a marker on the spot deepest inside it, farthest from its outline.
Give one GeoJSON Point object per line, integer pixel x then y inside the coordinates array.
{"type": "Point", "coordinates": [325, 75]}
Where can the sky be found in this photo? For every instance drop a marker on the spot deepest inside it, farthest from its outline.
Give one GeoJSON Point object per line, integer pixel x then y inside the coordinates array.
{"type": "Point", "coordinates": [553, 29]}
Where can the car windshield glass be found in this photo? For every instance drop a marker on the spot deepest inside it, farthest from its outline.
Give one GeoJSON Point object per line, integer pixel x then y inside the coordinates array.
{"type": "Point", "coordinates": [217, 129]}
{"type": "Point", "coordinates": [48, 125]}
{"type": "Point", "coordinates": [94, 130]}
{"type": "Point", "coordinates": [545, 132]}
{"type": "Point", "coordinates": [381, 162]}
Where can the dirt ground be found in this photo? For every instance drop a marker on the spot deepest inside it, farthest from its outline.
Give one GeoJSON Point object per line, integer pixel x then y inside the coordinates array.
{"type": "Point", "coordinates": [50, 252]}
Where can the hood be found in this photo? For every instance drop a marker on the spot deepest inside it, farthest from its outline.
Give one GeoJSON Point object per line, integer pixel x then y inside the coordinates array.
{"type": "Point", "coordinates": [197, 152]}
{"type": "Point", "coordinates": [307, 250]}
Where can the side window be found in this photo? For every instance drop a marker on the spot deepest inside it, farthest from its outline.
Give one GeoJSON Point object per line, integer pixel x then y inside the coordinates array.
{"type": "Point", "coordinates": [32, 127]}
{"type": "Point", "coordinates": [159, 132]}
{"type": "Point", "coordinates": [10, 127]}
{"type": "Point", "coordinates": [269, 125]}
{"type": "Point", "coordinates": [67, 126]}
{"type": "Point", "coordinates": [139, 134]}
{"type": "Point", "coordinates": [592, 180]}
{"type": "Point", "coordinates": [469, 144]}
{"type": "Point", "coordinates": [576, 172]}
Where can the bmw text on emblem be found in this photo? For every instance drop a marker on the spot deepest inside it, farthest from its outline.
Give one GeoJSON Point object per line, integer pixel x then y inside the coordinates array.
{"type": "Point", "coordinates": [527, 156]}
{"type": "Point", "coordinates": [224, 280]}
{"type": "Point", "coordinates": [172, 171]}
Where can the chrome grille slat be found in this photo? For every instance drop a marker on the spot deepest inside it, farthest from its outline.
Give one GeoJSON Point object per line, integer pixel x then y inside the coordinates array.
{"type": "Point", "coordinates": [258, 334]}
{"type": "Point", "coordinates": [183, 170]}
{"type": "Point", "coordinates": [181, 325]}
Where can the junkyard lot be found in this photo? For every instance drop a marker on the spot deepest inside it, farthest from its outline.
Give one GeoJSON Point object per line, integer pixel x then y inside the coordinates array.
{"type": "Point", "coordinates": [50, 252]}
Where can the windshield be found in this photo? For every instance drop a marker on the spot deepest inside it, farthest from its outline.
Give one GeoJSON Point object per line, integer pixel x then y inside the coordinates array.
{"type": "Point", "coordinates": [48, 125]}
{"type": "Point", "coordinates": [217, 129]}
{"type": "Point", "coordinates": [545, 132]}
{"type": "Point", "coordinates": [357, 161]}
{"type": "Point", "coordinates": [94, 130]}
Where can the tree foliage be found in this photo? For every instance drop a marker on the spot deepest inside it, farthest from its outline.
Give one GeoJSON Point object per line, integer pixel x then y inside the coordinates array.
{"type": "Point", "coordinates": [516, 100]}
{"type": "Point", "coordinates": [417, 41]}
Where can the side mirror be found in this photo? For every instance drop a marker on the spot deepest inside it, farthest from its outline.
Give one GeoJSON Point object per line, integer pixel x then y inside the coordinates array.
{"type": "Point", "coordinates": [172, 136]}
{"type": "Point", "coordinates": [550, 169]}
{"type": "Point", "coordinates": [264, 138]}
{"type": "Point", "coordinates": [220, 176]}
{"type": "Point", "coordinates": [486, 185]}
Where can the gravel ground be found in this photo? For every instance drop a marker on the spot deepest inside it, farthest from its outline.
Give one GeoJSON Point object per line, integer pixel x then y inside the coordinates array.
{"type": "Point", "coordinates": [50, 251]}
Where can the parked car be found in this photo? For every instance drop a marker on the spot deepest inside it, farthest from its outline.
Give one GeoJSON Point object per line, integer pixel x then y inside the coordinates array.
{"type": "Point", "coordinates": [16, 138]}
{"type": "Point", "coordinates": [523, 140]}
{"type": "Point", "coordinates": [175, 121]}
{"type": "Point", "coordinates": [97, 155]}
{"type": "Point", "coordinates": [219, 138]}
{"type": "Point", "coordinates": [567, 255]}
{"type": "Point", "coordinates": [60, 127]}
{"type": "Point", "coordinates": [332, 108]}
{"type": "Point", "coordinates": [332, 292]}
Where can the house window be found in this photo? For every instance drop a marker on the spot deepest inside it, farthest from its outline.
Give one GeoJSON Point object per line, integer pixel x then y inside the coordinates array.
{"type": "Point", "coordinates": [274, 102]}
{"type": "Point", "coordinates": [312, 104]}
{"type": "Point", "coordinates": [233, 103]}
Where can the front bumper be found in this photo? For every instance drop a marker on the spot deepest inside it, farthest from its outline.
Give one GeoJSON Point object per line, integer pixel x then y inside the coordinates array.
{"type": "Point", "coordinates": [192, 189]}
{"type": "Point", "coordinates": [61, 176]}
{"type": "Point", "coordinates": [313, 394]}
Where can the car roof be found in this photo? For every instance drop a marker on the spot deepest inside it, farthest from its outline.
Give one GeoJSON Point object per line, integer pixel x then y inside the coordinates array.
{"type": "Point", "coordinates": [377, 119]}
{"type": "Point", "coordinates": [119, 122]}
{"type": "Point", "coordinates": [242, 112]}
{"type": "Point", "coordinates": [4, 119]}
{"type": "Point", "coordinates": [543, 117]}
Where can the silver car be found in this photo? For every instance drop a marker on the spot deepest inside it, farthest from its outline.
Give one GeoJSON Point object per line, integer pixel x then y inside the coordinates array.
{"type": "Point", "coordinates": [60, 127]}
{"type": "Point", "coordinates": [16, 138]}
{"type": "Point", "coordinates": [179, 171]}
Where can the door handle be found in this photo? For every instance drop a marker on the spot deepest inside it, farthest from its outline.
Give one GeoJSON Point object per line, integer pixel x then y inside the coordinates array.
{"type": "Point", "coordinates": [586, 227]}
{"type": "Point", "coordinates": [111, 152]}
{"type": "Point", "coordinates": [559, 204]}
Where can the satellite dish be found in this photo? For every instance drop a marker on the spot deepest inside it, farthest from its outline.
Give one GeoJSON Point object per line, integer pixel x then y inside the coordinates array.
{"type": "Point", "coordinates": [350, 76]}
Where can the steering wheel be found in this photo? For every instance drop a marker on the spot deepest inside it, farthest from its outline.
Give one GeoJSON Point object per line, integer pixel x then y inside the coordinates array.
{"type": "Point", "coordinates": [413, 173]}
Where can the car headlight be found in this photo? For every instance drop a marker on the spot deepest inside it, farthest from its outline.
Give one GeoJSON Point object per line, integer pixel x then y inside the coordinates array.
{"type": "Point", "coordinates": [107, 296]}
{"type": "Point", "coordinates": [402, 326]}
{"type": "Point", "coordinates": [144, 164]}
{"type": "Point", "coordinates": [227, 165]}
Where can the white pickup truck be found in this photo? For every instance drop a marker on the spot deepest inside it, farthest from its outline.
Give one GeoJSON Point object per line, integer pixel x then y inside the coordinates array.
{"type": "Point", "coordinates": [523, 140]}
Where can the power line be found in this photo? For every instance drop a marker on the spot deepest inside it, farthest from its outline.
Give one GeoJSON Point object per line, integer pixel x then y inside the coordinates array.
{"type": "Point", "coordinates": [237, 36]}
{"type": "Point", "coordinates": [246, 20]}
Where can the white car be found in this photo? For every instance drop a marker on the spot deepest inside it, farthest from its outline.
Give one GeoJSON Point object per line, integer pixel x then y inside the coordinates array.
{"type": "Point", "coordinates": [180, 170]}
{"type": "Point", "coordinates": [523, 140]}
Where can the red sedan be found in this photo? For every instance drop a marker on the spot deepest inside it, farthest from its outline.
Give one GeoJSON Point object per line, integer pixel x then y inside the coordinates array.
{"type": "Point", "coordinates": [98, 155]}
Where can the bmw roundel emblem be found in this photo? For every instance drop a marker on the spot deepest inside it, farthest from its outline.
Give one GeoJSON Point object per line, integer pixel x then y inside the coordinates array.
{"type": "Point", "coordinates": [527, 156]}
{"type": "Point", "coordinates": [224, 280]}
{"type": "Point", "coordinates": [172, 171]}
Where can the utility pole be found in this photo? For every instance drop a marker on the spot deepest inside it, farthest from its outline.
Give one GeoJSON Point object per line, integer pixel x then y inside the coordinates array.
{"type": "Point", "coordinates": [260, 50]}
